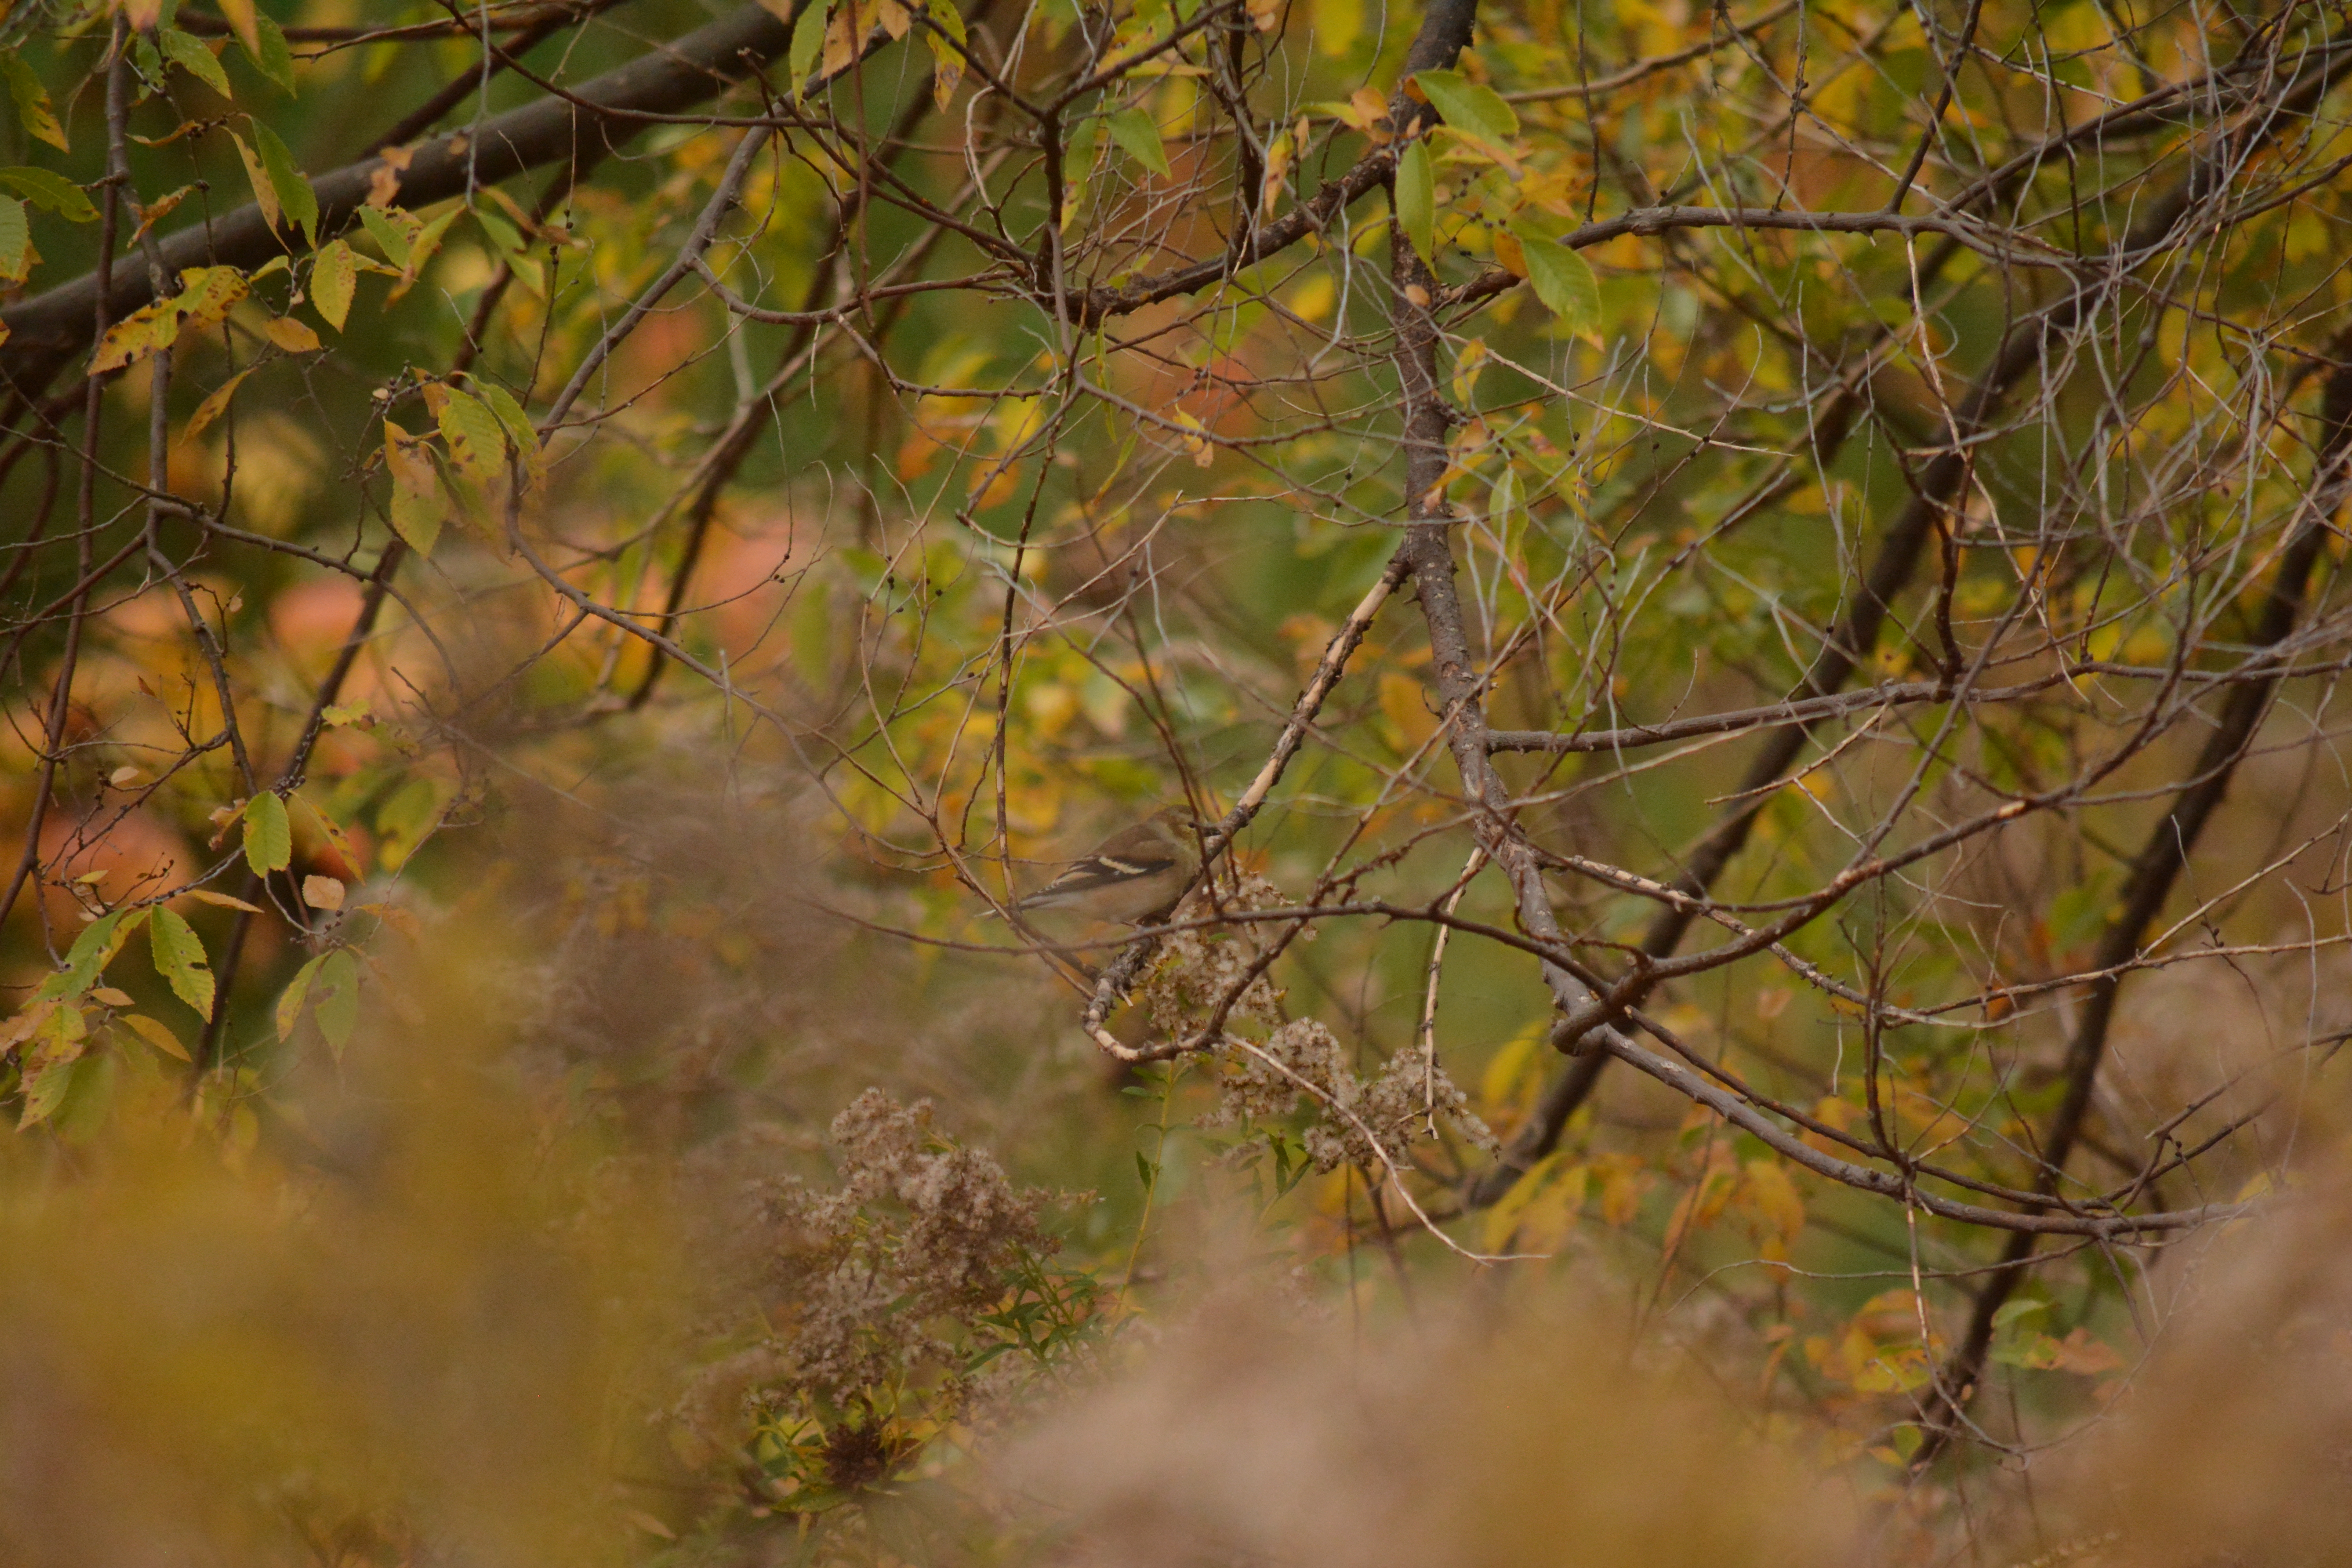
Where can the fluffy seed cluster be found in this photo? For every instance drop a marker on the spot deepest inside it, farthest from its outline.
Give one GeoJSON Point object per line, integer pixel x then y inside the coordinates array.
{"type": "Point", "coordinates": [873, 1292]}
{"type": "Point", "coordinates": [1402, 1103]}
{"type": "Point", "coordinates": [1198, 969]}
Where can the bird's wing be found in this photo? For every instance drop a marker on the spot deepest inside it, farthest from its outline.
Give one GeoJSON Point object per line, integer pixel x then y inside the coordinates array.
{"type": "Point", "coordinates": [1104, 869]}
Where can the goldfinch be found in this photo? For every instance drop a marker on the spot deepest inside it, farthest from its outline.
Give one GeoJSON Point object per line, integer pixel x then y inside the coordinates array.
{"type": "Point", "coordinates": [1132, 877]}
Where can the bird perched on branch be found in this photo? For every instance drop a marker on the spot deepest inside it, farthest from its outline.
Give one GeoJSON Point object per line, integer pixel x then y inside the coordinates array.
{"type": "Point", "coordinates": [1132, 877]}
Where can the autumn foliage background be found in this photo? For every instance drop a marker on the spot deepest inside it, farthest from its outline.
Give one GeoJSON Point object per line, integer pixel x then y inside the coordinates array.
{"type": "Point", "coordinates": [1747, 602]}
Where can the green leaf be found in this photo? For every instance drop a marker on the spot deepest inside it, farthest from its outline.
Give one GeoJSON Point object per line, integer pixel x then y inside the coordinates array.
{"type": "Point", "coordinates": [808, 42]}
{"type": "Point", "coordinates": [1078, 158]}
{"type": "Point", "coordinates": [339, 998]}
{"type": "Point", "coordinates": [15, 239]}
{"type": "Point", "coordinates": [1564, 282]}
{"type": "Point", "coordinates": [32, 110]}
{"type": "Point", "coordinates": [49, 192]}
{"type": "Point", "coordinates": [1466, 106]}
{"type": "Point", "coordinates": [190, 54]}
{"type": "Point", "coordinates": [44, 1091]}
{"type": "Point", "coordinates": [93, 950]}
{"type": "Point", "coordinates": [1138, 136]}
{"type": "Point", "coordinates": [273, 58]}
{"type": "Point", "coordinates": [505, 238]}
{"type": "Point", "coordinates": [333, 278]}
{"type": "Point", "coordinates": [386, 234]}
{"type": "Point", "coordinates": [295, 198]}
{"type": "Point", "coordinates": [478, 442]}
{"type": "Point", "coordinates": [180, 960]}
{"type": "Point", "coordinates": [290, 1001]}
{"type": "Point", "coordinates": [269, 836]}
{"type": "Point", "coordinates": [2008, 1312]}
{"type": "Point", "coordinates": [1416, 199]}
{"type": "Point", "coordinates": [421, 248]}
{"type": "Point", "coordinates": [520, 430]}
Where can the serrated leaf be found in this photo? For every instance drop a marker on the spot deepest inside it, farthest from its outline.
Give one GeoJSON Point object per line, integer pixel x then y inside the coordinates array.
{"type": "Point", "coordinates": [478, 442]}
{"type": "Point", "coordinates": [295, 198]}
{"type": "Point", "coordinates": [207, 294]}
{"type": "Point", "coordinates": [387, 234]}
{"type": "Point", "coordinates": [93, 950]}
{"type": "Point", "coordinates": [333, 278]}
{"type": "Point", "coordinates": [51, 192]}
{"type": "Point", "coordinates": [137, 335]}
{"type": "Point", "coordinates": [808, 42]}
{"type": "Point", "coordinates": [180, 960]}
{"type": "Point", "coordinates": [1138, 136]}
{"type": "Point", "coordinates": [1563, 281]}
{"type": "Point", "coordinates": [190, 54]}
{"type": "Point", "coordinates": [265, 46]}
{"type": "Point", "coordinates": [156, 1035]}
{"type": "Point", "coordinates": [212, 408]}
{"type": "Point", "coordinates": [45, 1089]}
{"type": "Point", "coordinates": [338, 1008]}
{"type": "Point", "coordinates": [1416, 199]}
{"type": "Point", "coordinates": [290, 1001]}
{"type": "Point", "coordinates": [15, 240]}
{"type": "Point", "coordinates": [421, 246]}
{"type": "Point", "coordinates": [33, 107]}
{"type": "Point", "coordinates": [1467, 106]}
{"type": "Point", "coordinates": [265, 191]}
{"type": "Point", "coordinates": [511, 418]}
{"type": "Point", "coordinates": [269, 835]}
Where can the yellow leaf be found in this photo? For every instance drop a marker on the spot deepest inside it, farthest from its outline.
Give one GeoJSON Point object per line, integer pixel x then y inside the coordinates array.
{"type": "Point", "coordinates": [240, 18]}
{"type": "Point", "coordinates": [212, 408]}
{"type": "Point", "coordinates": [322, 892]}
{"type": "Point", "coordinates": [265, 193]}
{"type": "Point", "coordinates": [332, 278]}
{"type": "Point", "coordinates": [1401, 703]}
{"type": "Point", "coordinates": [842, 37]}
{"type": "Point", "coordinates": [157, 1035]}
{"type": "Point", "coordinates": [137, 335]}
{"type": "Point", "coordinates": [223, 901]}
{"type": "Point", "coordinates": [208, 293]}
{"type": "Point", "coordinates": [290, 335]}
{"type": "Point", "coordinates": [417, 507]}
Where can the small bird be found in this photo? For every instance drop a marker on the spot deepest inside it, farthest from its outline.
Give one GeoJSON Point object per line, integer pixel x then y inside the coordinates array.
{"type": "Point", "coordinates": [1132, 877]}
